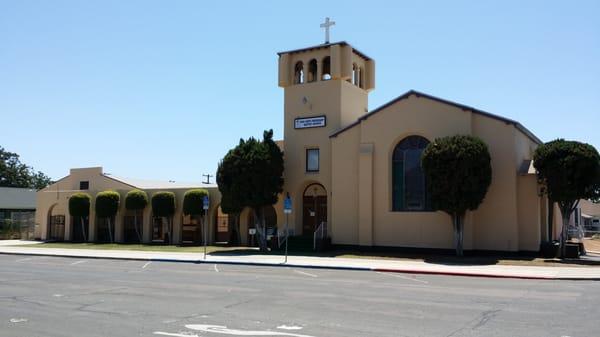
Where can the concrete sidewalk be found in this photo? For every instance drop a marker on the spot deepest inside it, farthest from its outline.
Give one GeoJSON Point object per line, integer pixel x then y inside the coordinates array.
{"type": "Point", "coordinates": [381, 265]}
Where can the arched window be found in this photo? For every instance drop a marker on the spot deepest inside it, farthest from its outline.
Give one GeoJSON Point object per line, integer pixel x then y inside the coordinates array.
{"type": "Point", "coordinates": [326, 73]}
{"type": "Point", "coordinates": [361, 78]}
{"type": "Point", "coordinates": [409, 191]}
{"type": "Point", "coordinates": [312, 70]}
{"type": "Point", "coordinates": [299, 73]}
{"type": "Point", "coordinates": [354, 74]}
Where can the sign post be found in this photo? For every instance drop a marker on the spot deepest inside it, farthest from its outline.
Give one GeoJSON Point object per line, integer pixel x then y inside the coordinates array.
{"type": "Point", "coordinates": [287, 209]}
{"type": "Point", "coordinates": [205, 204]}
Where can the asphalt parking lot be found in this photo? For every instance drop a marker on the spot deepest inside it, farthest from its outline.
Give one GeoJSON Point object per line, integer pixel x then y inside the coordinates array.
{"type": "Point", "coordinates": [50, 296]}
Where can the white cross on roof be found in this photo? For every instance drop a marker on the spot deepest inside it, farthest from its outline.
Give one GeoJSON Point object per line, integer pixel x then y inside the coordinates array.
{"type": "Point", "coordinates": [326, 25]}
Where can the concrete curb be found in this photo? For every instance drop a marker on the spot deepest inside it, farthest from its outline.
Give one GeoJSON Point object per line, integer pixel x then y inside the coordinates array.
{"type": "Point", "coordinates": [291, 265]}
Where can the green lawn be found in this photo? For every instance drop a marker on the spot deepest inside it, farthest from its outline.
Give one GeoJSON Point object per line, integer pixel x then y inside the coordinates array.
{"type": "Point", "coordinates": [140, 247]}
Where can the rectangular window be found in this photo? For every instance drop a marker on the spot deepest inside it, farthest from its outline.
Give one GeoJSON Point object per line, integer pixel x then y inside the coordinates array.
{"type": "Point", "coordinates": [312, 160]}
{"type": "Point", "coordinates": [84, 185]}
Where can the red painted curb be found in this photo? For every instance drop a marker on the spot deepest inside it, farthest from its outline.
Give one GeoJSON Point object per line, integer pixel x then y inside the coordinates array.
{"type": "Point", "coordinates": [453, 273]}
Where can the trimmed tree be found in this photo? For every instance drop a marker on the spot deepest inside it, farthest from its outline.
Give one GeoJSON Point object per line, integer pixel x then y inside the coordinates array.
{"type": "Point", "coordinates": [458, 174]}
{"type": "Point", "coordinates": [163, 205]}
{"type": "Point", "coordinates": [107, 205]}
{"type": "Point", "coordinates": [233, 210]}
{"type": "Point", "coordinates": [193, 205]}
{"type": "Point", "coordinates": [251, 175]}
{"type": "Point", "coordinates": [135, 201]}
{"type": "Point", "coordinates": [571, 171]}
{"type": "Point", "coordinates": [79, 207]}
{"type": "Point", "coordinates": [227, 173]}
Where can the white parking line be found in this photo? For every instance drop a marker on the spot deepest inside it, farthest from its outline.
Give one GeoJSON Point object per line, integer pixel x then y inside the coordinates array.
{"type": "Point", "coordinates": [78, 262]}
{"type": "Point", "coordinates": [25, 259]}
{"type": "Point", "coordinates": [146, 264]}
{"type": "Point", "coordinates": [216, 269]}
{"type": "Point", "coordinates": [403, 277]}
{"type": "Point", "coordinates": [304, 273]}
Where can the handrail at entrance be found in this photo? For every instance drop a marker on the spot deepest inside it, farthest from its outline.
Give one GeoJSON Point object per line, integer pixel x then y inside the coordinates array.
{"type": "Point", "coordinates": [282, 237]}
{"type": "Point", "coordinates": [320, 233]}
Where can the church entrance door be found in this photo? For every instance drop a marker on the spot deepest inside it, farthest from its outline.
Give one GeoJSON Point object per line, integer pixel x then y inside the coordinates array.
{"type": "Point", "coordinates": [314, 208]}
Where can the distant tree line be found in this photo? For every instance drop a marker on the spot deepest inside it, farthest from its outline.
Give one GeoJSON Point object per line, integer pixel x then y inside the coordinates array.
{"type": "Point", "coordinates": [13, 173]}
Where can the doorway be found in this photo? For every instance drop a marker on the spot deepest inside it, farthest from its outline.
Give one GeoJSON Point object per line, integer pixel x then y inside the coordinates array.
{"type": "Point", "coordinates": [222, 226]}
{"type": "Point", "coordinates": [80, 228]}
{"type": "Point", "coordinates": [314, 208]}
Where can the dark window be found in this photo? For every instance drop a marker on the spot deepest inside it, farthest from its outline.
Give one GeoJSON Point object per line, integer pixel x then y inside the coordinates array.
{"type": "Point", "coordinates": [312, 70]}
{"type": "Point", "coordinates": [84, 185]}
{"type": "Point", "coordinates": [299, 73]}
{"type": "Point", "coordinates": [409, 191]}
{"type": "Point", "coordinates": [312, 160]}
{"type": "Point", "coordinates": [326, 73]}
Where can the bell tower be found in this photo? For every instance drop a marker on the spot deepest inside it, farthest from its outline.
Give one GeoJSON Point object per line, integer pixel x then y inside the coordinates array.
{"type": "Point", "coordinates": [326, 88]}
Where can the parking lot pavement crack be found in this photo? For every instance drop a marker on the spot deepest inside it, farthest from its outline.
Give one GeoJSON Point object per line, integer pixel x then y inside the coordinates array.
{"type": "Point", "coordinates": [22, 300]}
{"type": "Point", "coordinates": [485, 317]}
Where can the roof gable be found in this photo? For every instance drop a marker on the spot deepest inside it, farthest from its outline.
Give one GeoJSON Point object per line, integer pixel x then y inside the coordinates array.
{"type": "Point", "coordinates": [443, 101]}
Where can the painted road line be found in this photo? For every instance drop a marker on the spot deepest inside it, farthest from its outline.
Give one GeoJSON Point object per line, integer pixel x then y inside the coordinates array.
{"type": "Point", "coordinates": [403, 277]}
{"type": "Point", "coordinates": [77, 262]}
{"type": "Point", "coordinates": [223, 330]}
{"type": "Point", "coordinates": [146, 264]}
{"type": "Point", "coordinates": [25, 259]}
{"type": "Point", "coordinates": [304, 273]}
{"type": "Point", "coordinates": [216, 269]}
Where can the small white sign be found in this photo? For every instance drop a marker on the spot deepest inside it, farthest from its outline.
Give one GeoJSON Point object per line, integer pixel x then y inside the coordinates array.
{"type": "Point", "coordinates": [251, 231]}
{"type": "Point", "coordinates": [310, 122]}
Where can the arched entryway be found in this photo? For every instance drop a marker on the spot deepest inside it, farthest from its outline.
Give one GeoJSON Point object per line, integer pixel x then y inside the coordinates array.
{"type": "Point", "coordinates": [191, 230]}
{"type": "Point", "coordinates": [222, 234]}
{"type": "Point", "coordinates": [80, 229]}
{"type": "Point", "coordinates": [56, 224]}
{"type": "Point", "coordinates": [270, 223]}
{"type": "Point", "coordinates": [133, 226]}
{"type": "Point", "coordinates": [314, 207]}
{"type": "Point", "coordinates": [103, 231]}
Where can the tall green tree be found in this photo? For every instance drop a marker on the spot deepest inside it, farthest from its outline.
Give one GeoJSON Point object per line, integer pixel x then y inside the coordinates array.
{"type": "Point", "coordinates": [13, 173]}
{"type": "Point", "coordinates": [571, 172]}
{"type": "Point", "coordinates": [79, 207]}
{"type": "Point", "coordinates": [107, 205]}
{"type": "Point", "coordinates": [136, 201]}
{"type": "Point", "coordinates": [458, 174]}
{"type": "Point", "coordinates": [227, 174]}
{"type": "Point", "coordinates": [251, 175]}
{"type": "Point", "coordinates": [163, 205]}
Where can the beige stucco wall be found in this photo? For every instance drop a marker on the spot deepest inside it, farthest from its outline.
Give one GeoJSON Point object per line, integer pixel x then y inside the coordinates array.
{"type": "Point", "coordinates": [344, 195]}
{"type": "Point", "coordinates": [55, 198]}
{"type": "Point", "coordinates": [508, 219]}
{"type": "Point", "coordinates": [589, 208]}
{"type": "Point", "coordinates": [339, 100]}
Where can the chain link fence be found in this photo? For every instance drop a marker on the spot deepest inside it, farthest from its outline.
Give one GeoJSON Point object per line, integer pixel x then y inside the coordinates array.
{"type": "Point", "coordinates": [20, 226]}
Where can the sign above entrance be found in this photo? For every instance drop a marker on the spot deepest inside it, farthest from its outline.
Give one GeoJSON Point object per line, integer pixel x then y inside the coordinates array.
{"type": "Point", "coordinates": [310, 122]}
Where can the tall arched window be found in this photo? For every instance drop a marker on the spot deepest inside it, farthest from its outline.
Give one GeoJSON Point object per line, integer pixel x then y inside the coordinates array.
{"type": "Point", "coordinates": [299, 73]}
{"type": "Point", "coordinates": [312, 70]}
{"type": "Point", "coordinates": [326, 72]}
{"type": "Point", "coordinates": [409, 191]}
{"type": "Point", "coordinates": [354, 74]}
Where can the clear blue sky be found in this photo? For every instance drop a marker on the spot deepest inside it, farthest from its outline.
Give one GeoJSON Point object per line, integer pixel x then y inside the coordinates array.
{"type": "Point", "coordinates": [162, 89]}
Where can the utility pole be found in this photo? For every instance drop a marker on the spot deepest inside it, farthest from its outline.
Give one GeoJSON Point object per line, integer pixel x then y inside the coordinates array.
{"type": "Point", "coordinates": [207, 176]}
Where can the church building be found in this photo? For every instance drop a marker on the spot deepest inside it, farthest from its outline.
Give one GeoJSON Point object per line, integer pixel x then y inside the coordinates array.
{"type": "Point", "coordinates": [354, 175]}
